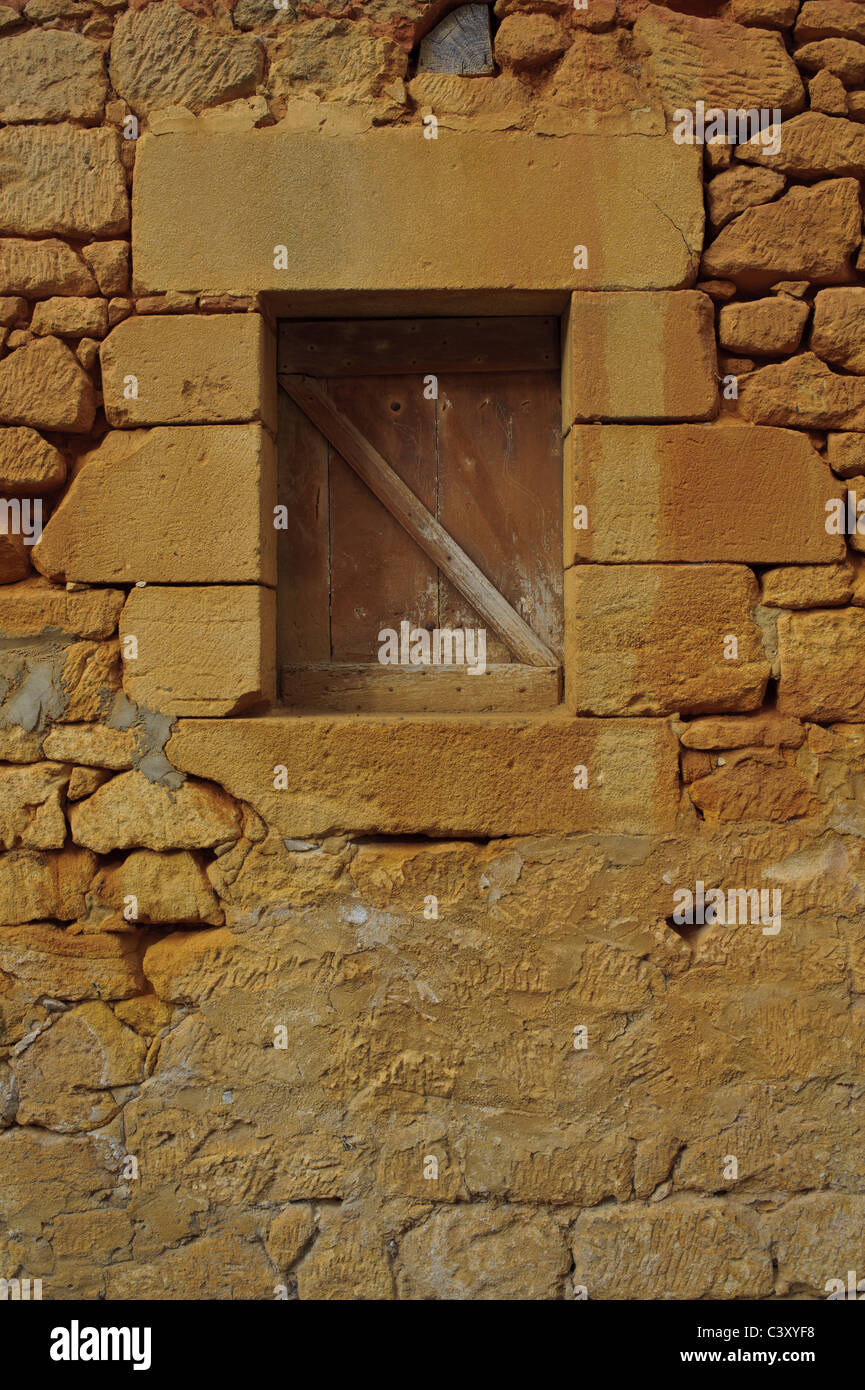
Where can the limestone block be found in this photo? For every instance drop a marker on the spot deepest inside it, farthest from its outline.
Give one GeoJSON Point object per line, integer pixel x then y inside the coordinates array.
{"type": "Point", "coordinates": [478, 1252]}
{"type": "Point", "coordinates": [31, 811]}
{"type": "Point", "coordinates": [290, 1232]}
{"type": "Point", "coordinates": [84, 781]}
{"type": "Point", "coordinates": [130, 811]}
{"type": "Point", "coordinates": [99, 1235]}
{"type": "Point", "coordinates": [191, 505]}
{"type": "Point", "coordinates": [188, 967]}
{"type": "Point", "coordinates": [20, 745]}
{"type": "Point", "coordinates": [650, 640]}
{"type": "Point", "coordinates": [162, 56]}
{"type": "Point", "coordinates": [527, 41]}
{"type": "Point", "coordinates": [71, 318]}
{"type": "Point", "coordinates": [723, 492]}
{"type": "Point", "coordinates": [846, 453]}
{"type": "Point", "coordinates": [813, 146]}
{"type": "Point", "coordinates": [717, 62]}
{"type": "Point", "coordinates": [599, 86]}
{"type": "Point", "coordinates": [43, 385]}
{"type": "Point", "coordinates": [94, 745]}
{"type": "Point", "coordinates": [803, 392]}
{"type": "Point", "coordinates": [35, 885]}
{"type": "Point", "coordinates": [146, 1014]}
{"type": "Point", "coordinates": [640, 357]}
{"type": "Point", "coordinates": [487, 775]}
{"type": "Point", "coordinates": [596, 17]}
{"type": "Point", "coordinates": [807, 586]}
{"type": "Point", "coordinates": [250, 14]}
{"type": "Point", "coordinates": [734, 190]}
{"type": "Point", "coordinates": [808, 234]}
{"type": "Point", "coordinates": [43, 11]}
{"type": "Point", "coordinates": [483, 104]}
{"type": "Point", "coordinates": [49, 960]}
{"type": "Point", "coordinates": [118, 310]}
{"type": "Point", "coordinates": [169, 887]}
{"type": "Point", "coordinates": [62, 181]}
{"type": "Point", "coordinates": [719, 291]}
{"type": "Point", "coordinates": [172, 303]}
{"type": "Point", "coordinates": [14, 312]}
{"type": "Point", "coordinates": [270, 871]}
{"type": "Point", "coordinates": [67, 1075]}
{"type": "Point", "coordinates": [28, 463]}
{"type": "Point", "coordinates": [340, 1265]}
{"type": "Point", "coordinates": [89, 680]}
{"type": "Point", "coordinates": [8, 1102]}
{"type": "Point", "coordinates": [36, 269]}
{"type": "Point", "coordinates": [207, 650]}
{"type": "Point", "coordinates": [87, 352]}
{"type": "Point", "coordinates": [838, 331]}
{"type": "Point", "coordinates": [827, 19]}
{"type": "Point", "coordinates": [843, 57]}
{"type": "Point", "coordinates": [823, 665]}
{"type": "Point", "coordinates": [855, 499]}
{"type": "Point", "coordinates": [46, 1172]}
{"type": "Point", "coordinates": [335, 61]}
{"type": "Point", "coordinates": [717, 157]}
{"type": "Point", "coordinates": [221, 1266]}
{"type": "Point", "coordinates": [754, 784]}
{"type": "Point", "coordinates": [36, 608]}
{"type": "Point", "coordinates": [14, 557]}
{"type": "Point", "coordinates": [109, 262]}
{"type": "Point", "coordinates": [769, 327]}
{"type": "Point", "coordinates": [437, 224]}
{"type": "Point", "coordinates": [764, 14]}
{"type": "Point", "coordinates": [819, 1236]}
{"type": "Point", "coordinates": [743, 731]}
{"type": "Point", "coordinates": [796, 289]}
{"type": "Point", "coordinates": [190, 370]}
{"type": "Point", "coordinates": [634, 1251]}
{"type": "Point", "coordinates": [51, 75]}
{"type": "Point", "coordinates": [827, 93]}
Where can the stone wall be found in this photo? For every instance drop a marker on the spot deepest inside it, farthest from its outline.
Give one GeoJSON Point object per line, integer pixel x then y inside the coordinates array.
{"type": "Point", "coordinates": [419, 1019]}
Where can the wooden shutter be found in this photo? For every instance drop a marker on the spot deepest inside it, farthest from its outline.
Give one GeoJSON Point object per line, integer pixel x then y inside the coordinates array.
{"type": "Point", "coordinates": [484, 462]}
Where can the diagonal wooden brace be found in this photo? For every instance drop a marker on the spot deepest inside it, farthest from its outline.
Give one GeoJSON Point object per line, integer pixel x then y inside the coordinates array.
{"type": "Point", "coordinates": [421, 525]}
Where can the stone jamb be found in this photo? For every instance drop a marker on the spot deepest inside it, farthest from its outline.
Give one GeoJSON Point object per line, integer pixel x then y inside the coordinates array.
{"type": "Point", "coordinates": [361, 271]}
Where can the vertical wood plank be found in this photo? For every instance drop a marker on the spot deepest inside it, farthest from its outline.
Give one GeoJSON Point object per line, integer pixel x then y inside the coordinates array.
{"type": "Point", "coordinates": [379, 575]}
{"type": "Point", "coordinates": [500, 494]}
{"type": "Point", "coordinates": [303, 561]}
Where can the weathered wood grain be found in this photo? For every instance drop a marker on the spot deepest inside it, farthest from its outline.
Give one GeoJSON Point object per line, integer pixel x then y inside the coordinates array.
{"type": "Point", "coordinates": [500, 493]}
{"type": "Point", "coordinates": [461, 43]}
{"type": "Point", "coordinates": [370, 347]}
{"type": "Point", "coordinates": [379, 574]}
{"type": "Point", "coordinates": [303, 548]}
{"type": "Point", "coordinates": [418, 521]}
{"type": "Point", "coordinates": [420, 689]}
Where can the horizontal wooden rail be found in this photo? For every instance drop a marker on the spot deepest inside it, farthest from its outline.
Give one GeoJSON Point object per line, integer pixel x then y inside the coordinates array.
{"type": "Point", "coordinates": [374, 689]}
{"type": "Point", "coordinates": [390, 347]}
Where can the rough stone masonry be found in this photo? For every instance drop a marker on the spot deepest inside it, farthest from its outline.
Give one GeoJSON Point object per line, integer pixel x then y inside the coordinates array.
{"type": "Point", "coordinates": [242, 1056]}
